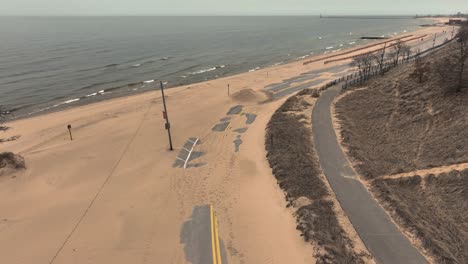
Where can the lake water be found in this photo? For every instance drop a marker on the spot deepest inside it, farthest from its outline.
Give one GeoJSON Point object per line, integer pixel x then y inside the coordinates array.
{"type": "Point", "coordinates": [51, 63]}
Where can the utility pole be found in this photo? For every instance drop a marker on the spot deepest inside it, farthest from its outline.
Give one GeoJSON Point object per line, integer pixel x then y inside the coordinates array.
{"type": "Point", "coordinates": [168, 125]}
{"type": "Point", "coordinates": [453, 31]}
{"type": "Point", "coordinates": [228, 89]}
{"type": "Point", "coordinates": [433, 42]}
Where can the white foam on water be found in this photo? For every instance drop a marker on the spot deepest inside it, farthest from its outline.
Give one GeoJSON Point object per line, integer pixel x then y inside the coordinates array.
{"type": "Point", "coordinates": [328, 48]}
{"type": "Point", "coordinates": [336, 50]}
{"type": "Point", "coordinates": [165, 82]}
{"type": "Point", "coordinates": [204, 70]}
{"type": "Point", "coordinates": [93, 94]}
{"type": "Point", "coordinates": [71, 100]}
{"type": "Point", "coordinates": [341, 45]}
{"type": "Point", "coordinates": [255, 69]}
{"type": "Point", "coordinates": [136, 65]}
{"type": "Point", "coordinates": [101, 92]}
{"type": "Point", "coordinates": [149, 81]}
{"type": "Point", "coordinates": [352, 43]}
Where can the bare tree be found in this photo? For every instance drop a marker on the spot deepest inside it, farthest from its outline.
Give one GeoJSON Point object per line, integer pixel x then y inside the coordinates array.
{"type": "Point", "coordinates": [364, 62]}
{"type": "Point", "coordinates": [398, 50]}
{"type": "Point", "coordinates": [379, 59]}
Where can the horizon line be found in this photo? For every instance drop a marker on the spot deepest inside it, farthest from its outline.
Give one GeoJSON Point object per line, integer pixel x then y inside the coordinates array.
{"type": "Point", "coordinates": [231, 15]}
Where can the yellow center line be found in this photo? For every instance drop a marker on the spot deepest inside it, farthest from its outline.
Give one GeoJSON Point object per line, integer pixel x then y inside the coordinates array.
{"type": "Point", "coordinates": [218, 250]}
{"type": "Point", "coordinates": [213, 249]}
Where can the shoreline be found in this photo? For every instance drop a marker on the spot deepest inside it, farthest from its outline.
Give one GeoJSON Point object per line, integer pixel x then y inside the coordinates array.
{"type": "Point", "coordinates": [144, 86]}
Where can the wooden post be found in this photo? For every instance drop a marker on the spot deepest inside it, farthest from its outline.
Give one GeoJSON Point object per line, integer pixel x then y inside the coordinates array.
{"type": "Point", "coordinates": [69, 131]}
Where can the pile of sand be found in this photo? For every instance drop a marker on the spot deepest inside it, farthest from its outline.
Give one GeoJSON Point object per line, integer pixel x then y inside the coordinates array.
{"type": "Point", "coordinates": [248, 95]}
{"type": "Point", "coordinates": [10, 162]}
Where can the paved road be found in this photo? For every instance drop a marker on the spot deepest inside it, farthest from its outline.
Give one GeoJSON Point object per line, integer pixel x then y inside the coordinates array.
{"type": "Point", "coordinates": [381, 236]}
{"type": "Point", "coordinates": [199, 235]}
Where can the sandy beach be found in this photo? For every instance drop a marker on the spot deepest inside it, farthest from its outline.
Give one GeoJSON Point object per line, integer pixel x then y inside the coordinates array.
{"type": "Point", "coordinates": [114, 194]}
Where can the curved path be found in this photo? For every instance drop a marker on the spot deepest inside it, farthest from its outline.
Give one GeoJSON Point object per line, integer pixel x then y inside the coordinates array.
{"type": "Point", "coordinates": [381, 236]}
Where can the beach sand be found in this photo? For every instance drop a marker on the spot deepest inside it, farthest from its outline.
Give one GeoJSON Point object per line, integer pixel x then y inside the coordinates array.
{"type": "Point", "coordinates": [113, 195]}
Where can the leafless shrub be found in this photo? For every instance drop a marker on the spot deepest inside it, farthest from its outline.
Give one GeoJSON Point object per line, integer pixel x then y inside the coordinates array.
{"type": "Point", "coordinates": [421, 70]}
{"type": "Point", "coordinates": [379, 59]}
{"type": "Point", "coordinates": [397, 51]}
{"type": "Point", "coordinates": [12, 161]}
{"type": "Point", "coordinates": [364, 62]}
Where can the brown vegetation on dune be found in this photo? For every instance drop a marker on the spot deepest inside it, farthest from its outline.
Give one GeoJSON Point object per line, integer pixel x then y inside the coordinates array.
{"type": "Point", "coordinates": [10, 162]}
{"type": "Point", "coordinates": [434, 208]}
{"type": "Point", "coordinates": [397, 124]}
{"type": "Point", "coordinates": [415, 118]}
{"type": "Point", "coordinates": [292, 157]}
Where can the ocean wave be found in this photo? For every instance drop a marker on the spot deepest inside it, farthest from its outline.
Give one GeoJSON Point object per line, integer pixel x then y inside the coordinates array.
{"type": "Point", "coordinates": [62, 103]}
{"type": "Point", "coordinates": [336, 50]}
{"type": "Point", "coordinates": [136, 65]}
{"type": "Point", "coordinates": [207, 70]}
{"type": "Point", "coordinates": [255, 69]}
{"type": "Point", "coordinates": [352, 43]}
{"type": "Point", "coordinates": [71, 100]}
{"type": "Point", "coordinates": [329, 48]}
{"type": "Point", "coordinates": [111, 65]}
{"type": "Point", "coordinates": [88, 87]}
{"type": "Point", "coordinates": [149, 81]}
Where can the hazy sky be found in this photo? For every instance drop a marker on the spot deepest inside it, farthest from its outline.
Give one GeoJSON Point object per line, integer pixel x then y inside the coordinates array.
{"type": "Point", "coordinates": [228, 7]}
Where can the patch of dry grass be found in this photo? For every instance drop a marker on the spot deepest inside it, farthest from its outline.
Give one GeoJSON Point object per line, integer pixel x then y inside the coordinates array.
{"type": "Point", "coordinates": [434, 208]}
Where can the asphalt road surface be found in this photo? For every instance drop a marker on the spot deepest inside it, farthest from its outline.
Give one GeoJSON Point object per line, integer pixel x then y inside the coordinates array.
{"type": "Point", "coordinates": [381, 236]}
{"type": "Point", "coordinates": [199, 235]}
